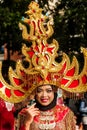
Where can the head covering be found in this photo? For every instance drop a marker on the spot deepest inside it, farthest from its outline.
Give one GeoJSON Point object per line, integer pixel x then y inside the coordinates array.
{"type": "Point", "coordinates": [41, 55]}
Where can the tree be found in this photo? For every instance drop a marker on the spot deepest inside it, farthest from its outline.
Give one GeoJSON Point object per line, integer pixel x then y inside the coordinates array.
{"type": "Point", "coordinates": [11, 12]}
{"type": "Point", "coordinates": [72, 25]}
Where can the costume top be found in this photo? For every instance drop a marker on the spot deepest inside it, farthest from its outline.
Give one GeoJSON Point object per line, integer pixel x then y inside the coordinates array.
{"type": "Point", "coordinates": [58, 118]}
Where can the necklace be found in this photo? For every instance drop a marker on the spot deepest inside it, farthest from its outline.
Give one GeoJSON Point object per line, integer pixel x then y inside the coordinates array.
{"type": "Point", "coordinates": [47, 120]}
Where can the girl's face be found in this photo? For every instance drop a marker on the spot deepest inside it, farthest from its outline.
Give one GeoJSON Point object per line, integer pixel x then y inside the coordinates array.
{"type": "Point", "coordinates": [45, 95]}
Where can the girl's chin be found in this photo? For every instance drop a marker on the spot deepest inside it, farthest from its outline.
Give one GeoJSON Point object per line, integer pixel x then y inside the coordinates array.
{"type": "Point", "coordinates": [44, 104]}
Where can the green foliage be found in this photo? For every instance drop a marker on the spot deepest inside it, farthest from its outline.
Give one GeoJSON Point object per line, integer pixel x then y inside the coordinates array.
{"type": "Point", "coordinates": [11, 12]}
{"type": "Point", "coordinates": [71, 27]}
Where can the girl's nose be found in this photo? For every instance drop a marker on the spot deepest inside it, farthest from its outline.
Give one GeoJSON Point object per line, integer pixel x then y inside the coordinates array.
{"type": "Point", "coordinates": [44, 93]}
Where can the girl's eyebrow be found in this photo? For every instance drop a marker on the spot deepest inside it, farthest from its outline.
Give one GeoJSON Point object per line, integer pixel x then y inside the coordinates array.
{"type": "Point", "coordinates": [49, 88]}
{"type": "Point", "coordinates": [39, 88]}
{"type": "Point", "coordinates": [46, 89]}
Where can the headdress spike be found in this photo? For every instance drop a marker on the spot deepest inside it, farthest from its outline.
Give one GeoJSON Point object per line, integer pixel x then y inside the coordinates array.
{"type": "Point", "coordinates": [43, 68]}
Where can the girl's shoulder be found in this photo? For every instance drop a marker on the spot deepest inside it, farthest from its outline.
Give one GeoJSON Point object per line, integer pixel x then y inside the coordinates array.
{"type": "Point", "coordinates": [61, 112]}
{"type": "Point", "coordinates": [62, 108]}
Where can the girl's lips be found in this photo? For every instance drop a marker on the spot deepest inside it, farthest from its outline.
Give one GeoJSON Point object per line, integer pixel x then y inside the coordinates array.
{"type": "Point", "coordinates": [44, 100]}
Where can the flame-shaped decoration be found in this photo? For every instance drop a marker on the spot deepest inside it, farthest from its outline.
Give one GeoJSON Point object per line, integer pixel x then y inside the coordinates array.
{"type": "Point", "coordinates": [72, 81]}
{"type": "Point", "coordinates": [43, 69]}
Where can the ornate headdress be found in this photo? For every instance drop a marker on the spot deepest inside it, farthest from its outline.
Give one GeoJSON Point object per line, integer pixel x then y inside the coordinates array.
{"type": "Point", "coordinates": [43, 68]}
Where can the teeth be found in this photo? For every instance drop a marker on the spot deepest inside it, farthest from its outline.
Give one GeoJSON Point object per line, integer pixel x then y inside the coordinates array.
{"type": "Point", "coordinates": [45, 100]}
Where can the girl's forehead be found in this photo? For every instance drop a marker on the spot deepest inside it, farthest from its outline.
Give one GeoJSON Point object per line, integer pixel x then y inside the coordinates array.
{"type": "Point", "coordinates": [45, 86]}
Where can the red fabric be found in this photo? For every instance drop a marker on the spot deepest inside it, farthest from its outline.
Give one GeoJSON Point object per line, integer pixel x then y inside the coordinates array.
{"type": "Point", "coordinates": [22, 128]}
{"type": "Point", "coordinates": [60, 113]}
{"type": "Point", "coordinates": [6, 117]}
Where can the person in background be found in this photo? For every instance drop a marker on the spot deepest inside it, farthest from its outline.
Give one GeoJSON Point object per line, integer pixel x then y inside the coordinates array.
{"type": "Point", "coordinates": [83, 110]}
{"type": "Point", "coordinates": [6, 115]}
{"type": "Point", "coordinates": [79, 125]}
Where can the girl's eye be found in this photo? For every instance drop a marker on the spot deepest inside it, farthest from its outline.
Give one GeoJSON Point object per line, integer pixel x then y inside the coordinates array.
{"type": "Point", "coordinates": [39, 90]}
{"type": "Point", "coordinates": [49, 91]}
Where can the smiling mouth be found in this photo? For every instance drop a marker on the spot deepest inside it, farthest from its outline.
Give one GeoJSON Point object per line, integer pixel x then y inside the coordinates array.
{"type": "Point", "coordinates": [44, 100]}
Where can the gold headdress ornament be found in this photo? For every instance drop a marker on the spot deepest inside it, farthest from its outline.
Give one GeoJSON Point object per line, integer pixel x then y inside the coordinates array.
{"type": "Point", "coordinates": [43, 69]}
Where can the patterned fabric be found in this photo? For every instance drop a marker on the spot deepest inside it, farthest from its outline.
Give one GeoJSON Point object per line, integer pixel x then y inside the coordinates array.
{"type": "Point", "coordinates": [58, 118]}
